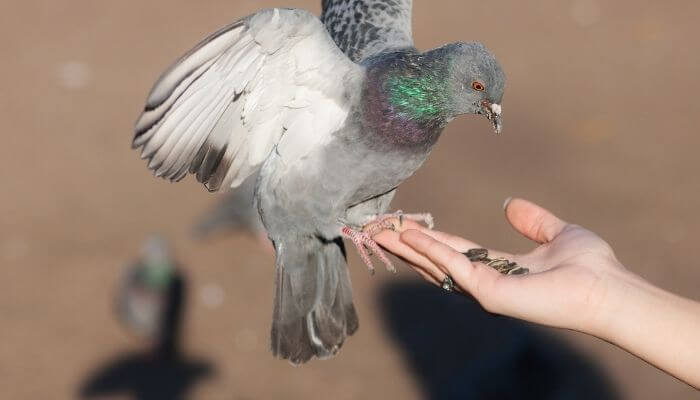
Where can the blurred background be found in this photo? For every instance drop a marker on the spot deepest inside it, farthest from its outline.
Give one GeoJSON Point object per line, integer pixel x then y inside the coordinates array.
{"type": "Point", "coordinates": [601, 126]}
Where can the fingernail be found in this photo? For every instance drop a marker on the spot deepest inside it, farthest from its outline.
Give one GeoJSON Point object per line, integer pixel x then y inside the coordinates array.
{"type": "Point", "coordinates": [505, 203]}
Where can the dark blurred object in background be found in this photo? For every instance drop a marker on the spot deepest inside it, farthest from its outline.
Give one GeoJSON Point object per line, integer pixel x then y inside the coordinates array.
{"type": "Point", "coordinates": [459, 351]}
{"type": "Point", "coordinates": [142, 377]}
{"type": "Point", "coordinates": [150, 305]}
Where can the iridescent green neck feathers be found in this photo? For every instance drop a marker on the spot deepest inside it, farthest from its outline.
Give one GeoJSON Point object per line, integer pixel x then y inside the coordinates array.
{"type": "Point", "coordinates": [418, 97]}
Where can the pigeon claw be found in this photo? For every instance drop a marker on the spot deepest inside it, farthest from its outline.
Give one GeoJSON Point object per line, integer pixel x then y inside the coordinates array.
{"type": "Point", "coordinates": [364, 243]}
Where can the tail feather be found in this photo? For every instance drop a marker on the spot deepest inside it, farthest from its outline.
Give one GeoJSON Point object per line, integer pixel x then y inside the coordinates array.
{"type": "Point", "coordinates": [313, 311]}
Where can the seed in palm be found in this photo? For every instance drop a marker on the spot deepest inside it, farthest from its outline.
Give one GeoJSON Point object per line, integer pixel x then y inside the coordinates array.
{"type": "Point", "coordinates": [501, 265]}
{"type": "Point", "coordinates": [477, 254]}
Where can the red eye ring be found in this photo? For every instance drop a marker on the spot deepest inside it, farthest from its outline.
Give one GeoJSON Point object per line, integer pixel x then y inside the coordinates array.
{"type": "Point", "coordinates": [478, 86]}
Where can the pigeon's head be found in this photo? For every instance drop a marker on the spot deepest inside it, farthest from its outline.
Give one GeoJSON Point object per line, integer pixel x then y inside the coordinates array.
{"type": "Point", "coordinates": [475, 81]}
{"type": "Point", "coordinates": [427, 90]}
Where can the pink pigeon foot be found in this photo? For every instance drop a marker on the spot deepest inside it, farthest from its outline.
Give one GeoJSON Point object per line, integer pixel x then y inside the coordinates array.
{"type": "Point", "coordinates": [363, 241]}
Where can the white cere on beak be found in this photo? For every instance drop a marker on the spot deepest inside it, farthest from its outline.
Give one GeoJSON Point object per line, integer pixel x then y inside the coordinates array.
{"type": "Point", "coordinates": [496, 108]}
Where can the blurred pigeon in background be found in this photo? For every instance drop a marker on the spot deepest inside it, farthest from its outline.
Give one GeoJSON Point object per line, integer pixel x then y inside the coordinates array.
{"type": "Point", "coordinates": [150, 305]}
{"type": "Point", "coordinates": [333, 116]}
{"type": "Point", "coordinates": [150, 299]}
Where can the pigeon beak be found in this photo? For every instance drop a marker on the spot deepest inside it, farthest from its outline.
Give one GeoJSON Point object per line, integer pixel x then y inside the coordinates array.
{"type": "Point", "coordinates": [493, 114]}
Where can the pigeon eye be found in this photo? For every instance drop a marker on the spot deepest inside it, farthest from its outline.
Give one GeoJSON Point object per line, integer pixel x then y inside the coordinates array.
{"type": "Point", "coordinates": [478, 86]}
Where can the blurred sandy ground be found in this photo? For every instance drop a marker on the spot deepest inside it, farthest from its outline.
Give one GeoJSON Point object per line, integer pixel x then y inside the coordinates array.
{"type": "Point", "coordinates": [601, 116]}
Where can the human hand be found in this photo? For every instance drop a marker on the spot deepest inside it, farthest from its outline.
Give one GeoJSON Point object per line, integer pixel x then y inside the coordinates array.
{"type": "Point", "coordinates": [573, 272]}
{"type": "Point", "coordinates": [575, 282]}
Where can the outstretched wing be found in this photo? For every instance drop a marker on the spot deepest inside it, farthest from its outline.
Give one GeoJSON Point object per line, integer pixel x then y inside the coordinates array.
{"type": "Point", "coordinates": [220, 109]}
{"type": "Point", "coordinates": [363, 28]}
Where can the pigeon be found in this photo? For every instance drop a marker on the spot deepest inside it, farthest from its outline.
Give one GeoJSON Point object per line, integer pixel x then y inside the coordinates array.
{"type": "Point", "coordinates": [149, 302]}
{"type": "Point", "coordinates": [333, 114]}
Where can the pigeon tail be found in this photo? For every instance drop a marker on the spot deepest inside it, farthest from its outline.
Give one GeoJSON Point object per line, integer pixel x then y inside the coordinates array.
{"type": "Point", "coordinates": [313, 311]}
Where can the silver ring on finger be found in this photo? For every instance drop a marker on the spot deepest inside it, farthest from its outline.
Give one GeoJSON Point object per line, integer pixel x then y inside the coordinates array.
{"type": "Point", "coordinates": [448, 284]}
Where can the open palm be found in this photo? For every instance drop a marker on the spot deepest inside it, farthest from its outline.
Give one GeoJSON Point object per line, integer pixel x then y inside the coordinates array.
{"type": "Point", "coordinates": [568, 268]}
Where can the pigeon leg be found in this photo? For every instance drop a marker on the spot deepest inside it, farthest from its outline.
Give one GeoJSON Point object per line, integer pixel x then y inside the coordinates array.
{"type": "Point", "coordinates": [363, 241]}
{"type": "Point", "coordinates": [381, 222]}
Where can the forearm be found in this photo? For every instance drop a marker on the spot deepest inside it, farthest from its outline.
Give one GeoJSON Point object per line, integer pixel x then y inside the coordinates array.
{"type": "Point", "coordinates": [655, 325]}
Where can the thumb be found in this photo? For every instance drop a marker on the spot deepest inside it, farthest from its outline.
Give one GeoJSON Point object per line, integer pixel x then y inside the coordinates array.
{"type": "Point", "coordinates": [533, 221]}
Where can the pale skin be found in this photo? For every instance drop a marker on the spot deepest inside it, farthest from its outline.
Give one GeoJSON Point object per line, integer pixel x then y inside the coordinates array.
{"type": "Point", "coordinates": [575, 282]}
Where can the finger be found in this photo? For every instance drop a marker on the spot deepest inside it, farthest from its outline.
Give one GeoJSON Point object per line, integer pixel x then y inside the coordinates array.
{"type": "Point", "coordinates": [453, 241]}
{"type": "Point", "coordinates": [439, 254]}
{"type": "Point", "coordinates": [458, 243]}
{"type": "Point", "coordinates": [421, 265]}
{"type": "Point", "coordinates": [495, 292]}
{"type": "Point", "coordinates": [463, 245]}
{"type": "Point", "coordinates": [431, 279]}
{"type": "Point", "coordinates": [533, 221]}
{"type": "Point", "coordinates": [390, 240]}
{"type": "Point", "coordinates": [426, 276]}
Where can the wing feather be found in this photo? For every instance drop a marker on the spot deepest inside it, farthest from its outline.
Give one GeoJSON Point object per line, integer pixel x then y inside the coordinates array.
{"type": "Point", "coordinates": [273, 79]}
{"type": "Point", "coordinates": [363, 28]}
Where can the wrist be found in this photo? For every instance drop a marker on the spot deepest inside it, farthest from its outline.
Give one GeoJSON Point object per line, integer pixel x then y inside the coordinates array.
{"type": "Point", "coordinates": [616, 300]}
{"type": "Point", "coordinates": [653, 324]}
